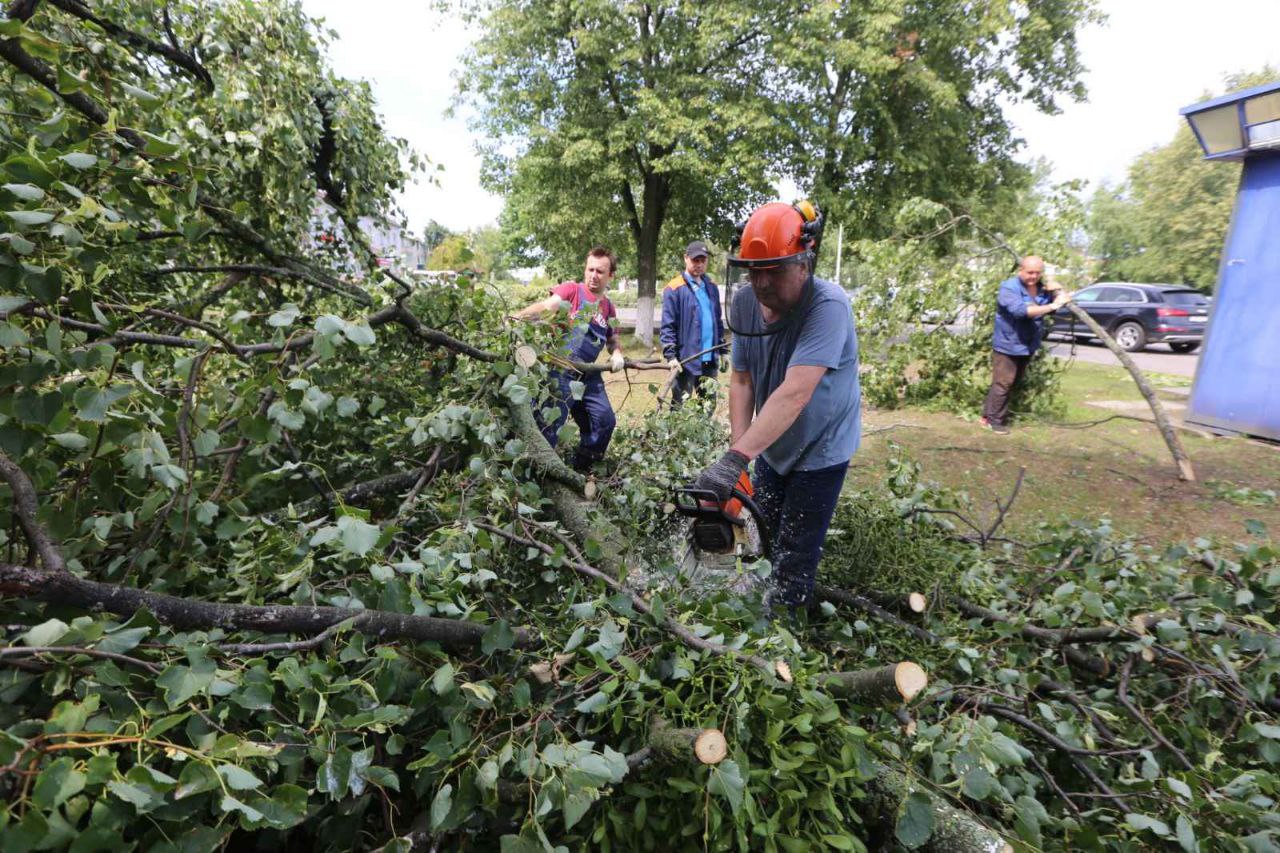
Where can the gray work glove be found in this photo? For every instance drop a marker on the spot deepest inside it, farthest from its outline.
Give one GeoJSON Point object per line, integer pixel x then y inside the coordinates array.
{"type": "Point", "coordinates": [721, 476]}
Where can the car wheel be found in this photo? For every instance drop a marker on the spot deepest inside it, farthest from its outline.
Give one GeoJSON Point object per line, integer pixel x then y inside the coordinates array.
{"type": "Point", "coordinates": [1184, 346]}
{"type": "Point", "coordinates": [1130, 336]}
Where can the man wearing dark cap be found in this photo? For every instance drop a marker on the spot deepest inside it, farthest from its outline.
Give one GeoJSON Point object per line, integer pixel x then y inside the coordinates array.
{"type": "Point", "coordinates": [692, 332]}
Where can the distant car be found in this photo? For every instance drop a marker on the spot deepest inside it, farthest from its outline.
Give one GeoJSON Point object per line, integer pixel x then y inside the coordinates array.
{"type": "Point", "coordinates": [1139, 314]}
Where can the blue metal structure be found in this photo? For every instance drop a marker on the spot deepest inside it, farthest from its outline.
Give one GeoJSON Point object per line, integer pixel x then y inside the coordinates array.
{"type": "Point", "coordinates": [1237, 383]}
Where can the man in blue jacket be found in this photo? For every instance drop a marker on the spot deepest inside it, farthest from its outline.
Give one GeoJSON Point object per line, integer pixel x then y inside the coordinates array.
{"type": "Point", "coordinates": [1020, 308]}
{"type": "Point", "coordinates": [692, 331]}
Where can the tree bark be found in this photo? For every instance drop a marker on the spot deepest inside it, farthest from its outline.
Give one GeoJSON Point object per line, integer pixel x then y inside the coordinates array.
{"type": "Point", "coordinates": [185, 613]}
{"type": "Point", "coordinates": [564, 487]}
{"type": "Point", "coordinates": [656, 192]}
{"type": "Point", "coordinates": [954, 830]}
{"type": "Point", "coordinates": [886, 685]}
{"type": "Point", "coordinates": [1180, 458]}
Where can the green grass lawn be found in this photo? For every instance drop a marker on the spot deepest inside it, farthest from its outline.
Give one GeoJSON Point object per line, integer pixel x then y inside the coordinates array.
{"type": "Point", "coordinates": [1120, 469]}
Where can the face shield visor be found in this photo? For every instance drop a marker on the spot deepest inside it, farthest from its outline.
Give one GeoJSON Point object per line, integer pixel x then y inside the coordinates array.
{"type": "Point", "coordinates": [765, 275]}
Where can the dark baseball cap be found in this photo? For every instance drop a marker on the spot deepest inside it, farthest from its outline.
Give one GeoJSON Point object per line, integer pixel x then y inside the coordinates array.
{"type": "Point", "coordinates": [697, 249]}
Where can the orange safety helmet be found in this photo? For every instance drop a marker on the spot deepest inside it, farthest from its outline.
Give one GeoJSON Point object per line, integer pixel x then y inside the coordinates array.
{"type": "Point", "coordinates": [777, 234]}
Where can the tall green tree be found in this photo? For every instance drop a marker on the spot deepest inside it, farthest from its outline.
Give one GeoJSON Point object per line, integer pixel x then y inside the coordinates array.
{"type": "Point", "coordinates": [1167, 220]}
{"type": "Point", "coordinates": [624, 123]}
{"type": "Point", "coordinates": [651, 123]}
{"type": "Point", "coordinates": [891, 100]}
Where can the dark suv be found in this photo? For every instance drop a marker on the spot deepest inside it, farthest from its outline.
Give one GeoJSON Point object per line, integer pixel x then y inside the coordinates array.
{"type": "Point", "coordinates": [1139, 314]}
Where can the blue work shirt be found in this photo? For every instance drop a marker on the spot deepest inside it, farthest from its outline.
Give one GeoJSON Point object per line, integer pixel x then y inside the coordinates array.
{"type": "Point", "coordinates": [818, 332]}
{"type": "Point", "coordinates": [684, 325]}
{"type": "Point", "coordinates": [1016, 333]}
{"type": "Point", "coordinates": [706, 316]}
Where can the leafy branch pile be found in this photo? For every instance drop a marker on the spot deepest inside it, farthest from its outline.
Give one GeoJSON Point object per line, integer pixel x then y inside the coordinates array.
{"type": "Point", "coordinates": [286, 561]}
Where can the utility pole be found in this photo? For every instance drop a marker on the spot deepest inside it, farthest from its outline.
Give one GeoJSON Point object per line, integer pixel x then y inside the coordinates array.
{"type": "Point", "coordinates": [839, 252]}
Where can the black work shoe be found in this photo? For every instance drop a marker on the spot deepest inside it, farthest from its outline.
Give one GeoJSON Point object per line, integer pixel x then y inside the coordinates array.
{"type": "Point", "coordinates": [1000, 429]}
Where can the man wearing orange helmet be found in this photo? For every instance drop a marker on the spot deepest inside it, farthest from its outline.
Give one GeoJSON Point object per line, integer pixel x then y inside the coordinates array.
{"type": "Point", "coordinates": [794, 397]}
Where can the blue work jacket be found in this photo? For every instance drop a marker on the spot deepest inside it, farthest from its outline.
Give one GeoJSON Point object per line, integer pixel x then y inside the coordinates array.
{"type": "Point", "coordinates": [1015, 332]}
{"type": "Point", "coordinates": [681, 332]}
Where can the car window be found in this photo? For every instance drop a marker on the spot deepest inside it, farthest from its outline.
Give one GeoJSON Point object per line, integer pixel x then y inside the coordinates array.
{"type": "Point", "coordinates": [1120, 294]}
{"type": "Point", "coordinates": [1185, 297]}
{"type": "Point", "coordinates": [1088, 295]}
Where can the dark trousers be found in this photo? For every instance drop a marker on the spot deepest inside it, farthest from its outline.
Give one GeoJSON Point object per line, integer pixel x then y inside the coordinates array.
{"type": "Point", "coordinates": [593, 414]}
{"type": "Point", "coordinates": [798, 509]}
{"type": "Point", "coordinates": [687, 383]}
{"type": "Point", "coordinates": [1006, 372]}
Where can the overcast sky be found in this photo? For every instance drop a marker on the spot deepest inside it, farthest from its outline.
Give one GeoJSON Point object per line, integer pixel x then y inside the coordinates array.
{"type": "Point", "coordinates": [1151, 58]}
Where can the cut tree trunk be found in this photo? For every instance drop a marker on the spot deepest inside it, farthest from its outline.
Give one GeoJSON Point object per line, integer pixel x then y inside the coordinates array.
{"type": "Point", "coordinates": [671, 744]}
{"type": "Point", "coordinates": [954, 830]}
{"type": "Point", "coordinates": [886, 685]}
{"type": "Point", "coordinates": [1180, 458]}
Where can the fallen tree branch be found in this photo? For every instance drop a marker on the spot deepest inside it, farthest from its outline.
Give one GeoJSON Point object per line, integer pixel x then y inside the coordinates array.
{"type": "Point", "coordinates": [186, 614]}
{"type": "Point", "coordinates": [777, 669]}
{"type": "Point", "coordinates": [954, 830]}
{"type": "Point", "coordinates": [1180, 458]}
{"type": "Point", "coordinates": [25, 507]}
{"type": "Point", "coordinates": [853, 599]}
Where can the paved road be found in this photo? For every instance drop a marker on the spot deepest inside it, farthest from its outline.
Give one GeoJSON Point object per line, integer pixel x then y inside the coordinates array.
{"type": "Point", "coordinates": [1156, 358]}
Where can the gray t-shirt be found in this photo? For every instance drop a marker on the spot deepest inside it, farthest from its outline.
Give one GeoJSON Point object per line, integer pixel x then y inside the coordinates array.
{"type": "Point", "coordinates": [818, 332]}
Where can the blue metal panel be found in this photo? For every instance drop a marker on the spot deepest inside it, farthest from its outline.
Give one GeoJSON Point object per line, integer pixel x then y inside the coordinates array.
{"type": "Point", "coordinates": [1234, 96]}
{"type": "Point", "coordinates": [1237, 385]}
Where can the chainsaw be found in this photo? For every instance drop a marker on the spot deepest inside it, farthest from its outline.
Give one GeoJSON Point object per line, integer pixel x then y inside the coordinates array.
{"type": "Point", "coordinates": [719, 528]}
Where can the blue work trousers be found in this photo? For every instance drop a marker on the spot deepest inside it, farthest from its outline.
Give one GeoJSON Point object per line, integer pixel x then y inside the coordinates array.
{"type": "Point", "coordinates": [593, 414]}
{"type": "Point", "coordinates": [797, 509]}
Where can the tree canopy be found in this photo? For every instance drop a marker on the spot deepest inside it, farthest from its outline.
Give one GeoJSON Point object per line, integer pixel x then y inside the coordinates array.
{"type": "Point", "coordinates": [652, 124]}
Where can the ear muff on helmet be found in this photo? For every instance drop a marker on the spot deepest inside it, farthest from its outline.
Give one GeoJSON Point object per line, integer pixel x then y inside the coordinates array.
{"type": "Point", "coordinates": [811, 230]}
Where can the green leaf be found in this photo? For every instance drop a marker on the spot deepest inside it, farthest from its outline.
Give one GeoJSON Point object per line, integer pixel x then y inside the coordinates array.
{"type": "Point", "coordinates": [71, 440]}
{"type": "Point", "coordinates": [593, 704]}
{"type": "Point", "coordinates": [285, 316]}
{"type": "Point", "coordinates": [915, 823]}
{"type": "Point", "coordinates": [93, 402]}
{"type": "Point", "coordinates": [358, 536]}
{"type": "Point", "coordinates": [359, 333]}
{"type": "Point", "coordinates": [1186, 835]}
{"type": "Point", "coordinates": [238, 778]}
{"type": "Point", "coordinates": [79, 159]}
{"type": "Point", "coordinates": [1267, 730]}
{"type": "Point", "coordinates": [441, 805]}
{"type": "Point", "coordinates": [1254, 527]}
{"type": "Point", "coordinates": [180, 682]}
{"type": "Point", "coordinates": [978, 783]}
{"type": "Point", "coordinates": [1141, 822]}
{"type": "Point", "coordinates": [29, 217]}
{"type": "Point", "coordinates": [726, 781]}
{"type": "Point", "coordinates": [498, 636]}
{"type": "Point", "coordinates": [442, 681]}
{"type": "Point", "coordinates": [1178, 787]}
{"type": "Point", "coordinates": [46, 633]}
{"type": "Point", "coordinates": [140, 797]}
{"type": "Point", "coordinates": [57, 783]}
{"type": "Point", "coordinates": [158, 146]}
{"type": "Point", "coordinates": [196, 778]}
{"type": "Point", "coordinates": [121, 641]}
{"type": "Point", "coordinates": [26, 192]}
{"type": "Point", "coordinates": [576, 805]}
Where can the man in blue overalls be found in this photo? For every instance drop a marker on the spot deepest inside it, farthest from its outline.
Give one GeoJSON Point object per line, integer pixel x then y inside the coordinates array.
{"type": "Point", "coordinates": [592, 321]}
{"type": "Point", "coordinates": [692, 330]}
{"type": "Point", "coordinates": [1020, 308]}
